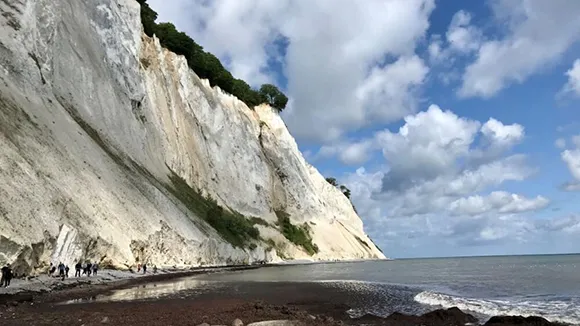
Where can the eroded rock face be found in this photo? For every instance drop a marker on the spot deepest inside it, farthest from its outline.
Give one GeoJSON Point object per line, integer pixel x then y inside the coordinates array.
{"type": "Point", "coordinates": [94, 119]}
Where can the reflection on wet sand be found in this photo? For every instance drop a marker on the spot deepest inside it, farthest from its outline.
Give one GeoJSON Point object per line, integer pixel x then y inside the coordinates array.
{"type": "Point", "coordinates": [150, 291]}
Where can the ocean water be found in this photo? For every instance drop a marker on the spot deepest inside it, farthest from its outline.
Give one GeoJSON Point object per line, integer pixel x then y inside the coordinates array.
{"type": "Point", "coordinates": [547, 285]}
{"type": "Point", "coordinates": [543, 285]}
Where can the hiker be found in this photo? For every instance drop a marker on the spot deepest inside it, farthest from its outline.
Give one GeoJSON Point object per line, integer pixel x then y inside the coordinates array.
{"type": "Point", "coordinates": [52, 269]}
{"type": "Point", "coordinates": [61, 270]}
{"type": "Point", "coordinates": [89, 268]}
{"type": "Point", "coordinates": [95, 268]}
{"type": "Point", "coordinates": [6, 275]}
{"type": "Point", "coordinates": [78, 268]}
{"type": "Point", "coordinates": [138, 267]}
{"type": "Point", "coordinates": [66, 269]}
{"type": "Point", "coordinates": [144, 268]}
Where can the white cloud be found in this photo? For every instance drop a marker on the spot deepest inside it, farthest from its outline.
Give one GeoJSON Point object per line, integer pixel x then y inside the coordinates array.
{"type": "Point", "coordinates": [353, 153]}
{"type": "Point", "coordinates": [428, 144]}
{"type": "Point", "coordinates": [387, 94]}
{"type": "Point", "coordinates": [567, 224]}
{"type": "Point", "coordinates": [499, 201]}
{"type": "Point", "coordinates": [501, 135]}
{"type": "Point", "coordinates": [461, 36]}
{"type": "Point", "coordinates": [538, 33]}
{"type": "Point", "coordinates": [560, 143]}
{"type": "Point", "coordinates": [430, 181]}
{"type": "Point", "coordinates": [435, 49]}
{"type": "Point", "coordinates": [573, 84]}
{"type": "Point", "coordinates": [571, 158]}
{"type": "Point", "coordinates": [336, 52]}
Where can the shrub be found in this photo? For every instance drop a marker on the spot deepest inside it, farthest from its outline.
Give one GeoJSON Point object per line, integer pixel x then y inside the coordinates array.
{"type": "Point", "coordinates": [232, 226]}
{"type": "Point", "coordinates": [299, 235]}
{"type": "Point", "coordinates": [258, 221]}
{"type": "Point", "coordinates": [207, 65]}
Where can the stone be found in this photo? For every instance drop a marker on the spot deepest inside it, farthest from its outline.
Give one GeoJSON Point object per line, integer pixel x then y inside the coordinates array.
{"type": "Point", "coordinates": [237, 322]}
{"type": "Point", "coordinates": [276, 323]}
{"type": "Point", "coordinates": [444, 317]}
{"type": "Point", "coordinates": [73, 89]}
{"type": "Point", "coordinates": [105, 320]}
{"type": "Point", "coordinates": [518, 320]}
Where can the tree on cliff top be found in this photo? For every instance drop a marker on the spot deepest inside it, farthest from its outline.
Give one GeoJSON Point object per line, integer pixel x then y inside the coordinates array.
{"type": "Point", "coordinates": [272, 95]}
{"type": "Point", "coordinates": [345, 191]}
{"type": "Point", "coordinates": [207, 65]}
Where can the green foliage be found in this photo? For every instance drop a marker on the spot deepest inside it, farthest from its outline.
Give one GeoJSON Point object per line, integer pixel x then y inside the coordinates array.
{"type": "Point", "coordinates": [299, 235]}
{"type": "Point", "coordinates": [332, 181]}
{"type": "Point", "coordinates": [345, 191]}
{"type": "Point", "coordinates": [207, 65]}
{"type": "Point", "coordinates": [174, 40]}
{"type": "Point", "coordinates": [231, 225]}
{"type": "Point", "coordinates": [272, 95]}
{"type": "Point", "coordinates": [148, 17]}
{"type": "Point", "coordinates": [259, 221]}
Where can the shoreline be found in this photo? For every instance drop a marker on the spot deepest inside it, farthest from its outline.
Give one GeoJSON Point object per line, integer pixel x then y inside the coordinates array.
{"type": "Point", "coordinates": [307, 303]}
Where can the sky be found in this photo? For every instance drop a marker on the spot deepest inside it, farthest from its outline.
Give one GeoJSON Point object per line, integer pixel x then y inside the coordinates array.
{"type": "Point", "coordinates": [456, 124]}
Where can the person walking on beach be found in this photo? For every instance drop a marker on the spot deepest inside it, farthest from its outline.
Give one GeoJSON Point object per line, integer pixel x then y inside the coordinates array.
{"type": "Point", "coordinates": [61, 270]}
{"type": "Point", "coordinates": [144, 268]}
{"type": "Point", "coordinates": [78, 268]}
{"type": "Point", "coordinates": [89, 268]}
{"type": "Point", "coordinates": [95, 268]}
{"type": "Point", "coordinates": [6, 275]}
{"type": "Point", "coordinates": [66, 269]}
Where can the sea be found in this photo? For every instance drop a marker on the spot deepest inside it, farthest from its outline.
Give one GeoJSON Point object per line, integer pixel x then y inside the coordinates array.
{"type": "Point", "coordinates": [539, 285]}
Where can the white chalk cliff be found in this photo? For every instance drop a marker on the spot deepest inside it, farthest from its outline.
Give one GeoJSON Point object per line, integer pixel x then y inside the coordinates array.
{"type": "Point", "coordinates": [94, 119]}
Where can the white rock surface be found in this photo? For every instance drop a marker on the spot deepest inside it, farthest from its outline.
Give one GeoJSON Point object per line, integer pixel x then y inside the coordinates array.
{"type": "Point", "coordinates": [95, 116]}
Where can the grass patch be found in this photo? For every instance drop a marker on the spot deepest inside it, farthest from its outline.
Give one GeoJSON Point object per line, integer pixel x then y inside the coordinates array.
{"type": "Point", "coordinates": [276, 246]}
{"type": "Point", "coordinates": [298, 235]}
{"type": "Point", "coordinates": [232, 226]}
{"type": "Point", "coordinates": [259, 221]}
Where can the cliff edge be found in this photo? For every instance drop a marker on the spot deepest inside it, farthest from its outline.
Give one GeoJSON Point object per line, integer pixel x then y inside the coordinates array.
{"type": "Point", "coordinates": [113, 150]}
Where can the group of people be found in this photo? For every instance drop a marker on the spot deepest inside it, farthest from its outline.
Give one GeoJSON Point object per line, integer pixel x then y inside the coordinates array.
{"type": "Point", "coordinates": [6, 276]}
{"type": "Point", "coordinates": [88, 269]}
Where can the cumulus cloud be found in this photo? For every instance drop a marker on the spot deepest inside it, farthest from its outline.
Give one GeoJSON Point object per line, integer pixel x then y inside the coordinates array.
{"type": "Point", "coordinates": [499, 201]}
{"type": "Point", "coordinates": [347, 65]}
{"type": "Point", "coordinates": [435, 174]}
{"type": "Point", "coordinates": [573, 84]}
{"type": "Point", "coordinates": [461, 35]}
{"type": "Point", "coordinates": [567, 224]}
{"type": "Point", "coordinates": [538, 33]}
{"type": "Point", "coordinates": [571, 158]}
{"type": "Point", "coordinates": [349, 153]}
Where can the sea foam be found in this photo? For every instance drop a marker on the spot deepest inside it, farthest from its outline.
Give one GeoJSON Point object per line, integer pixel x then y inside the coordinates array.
{"type": "Point", "coordinates": [554, 310]}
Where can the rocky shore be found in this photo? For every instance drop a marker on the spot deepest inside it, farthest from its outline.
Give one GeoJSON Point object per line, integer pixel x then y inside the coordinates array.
{"type": "Point", "coordinates": [239, 304]}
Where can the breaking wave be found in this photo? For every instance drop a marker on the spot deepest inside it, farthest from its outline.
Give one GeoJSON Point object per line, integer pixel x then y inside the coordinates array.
{"type": "Point", "coordinates": [563, 311]}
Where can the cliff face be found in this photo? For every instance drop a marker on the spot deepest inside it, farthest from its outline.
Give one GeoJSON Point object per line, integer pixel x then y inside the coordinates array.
{"type": "Point", "coordinates": [102, 132]}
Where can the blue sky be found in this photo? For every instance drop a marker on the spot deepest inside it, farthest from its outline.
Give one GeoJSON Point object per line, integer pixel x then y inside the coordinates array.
{"type": "Point", "coordinates": [486, 93]}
